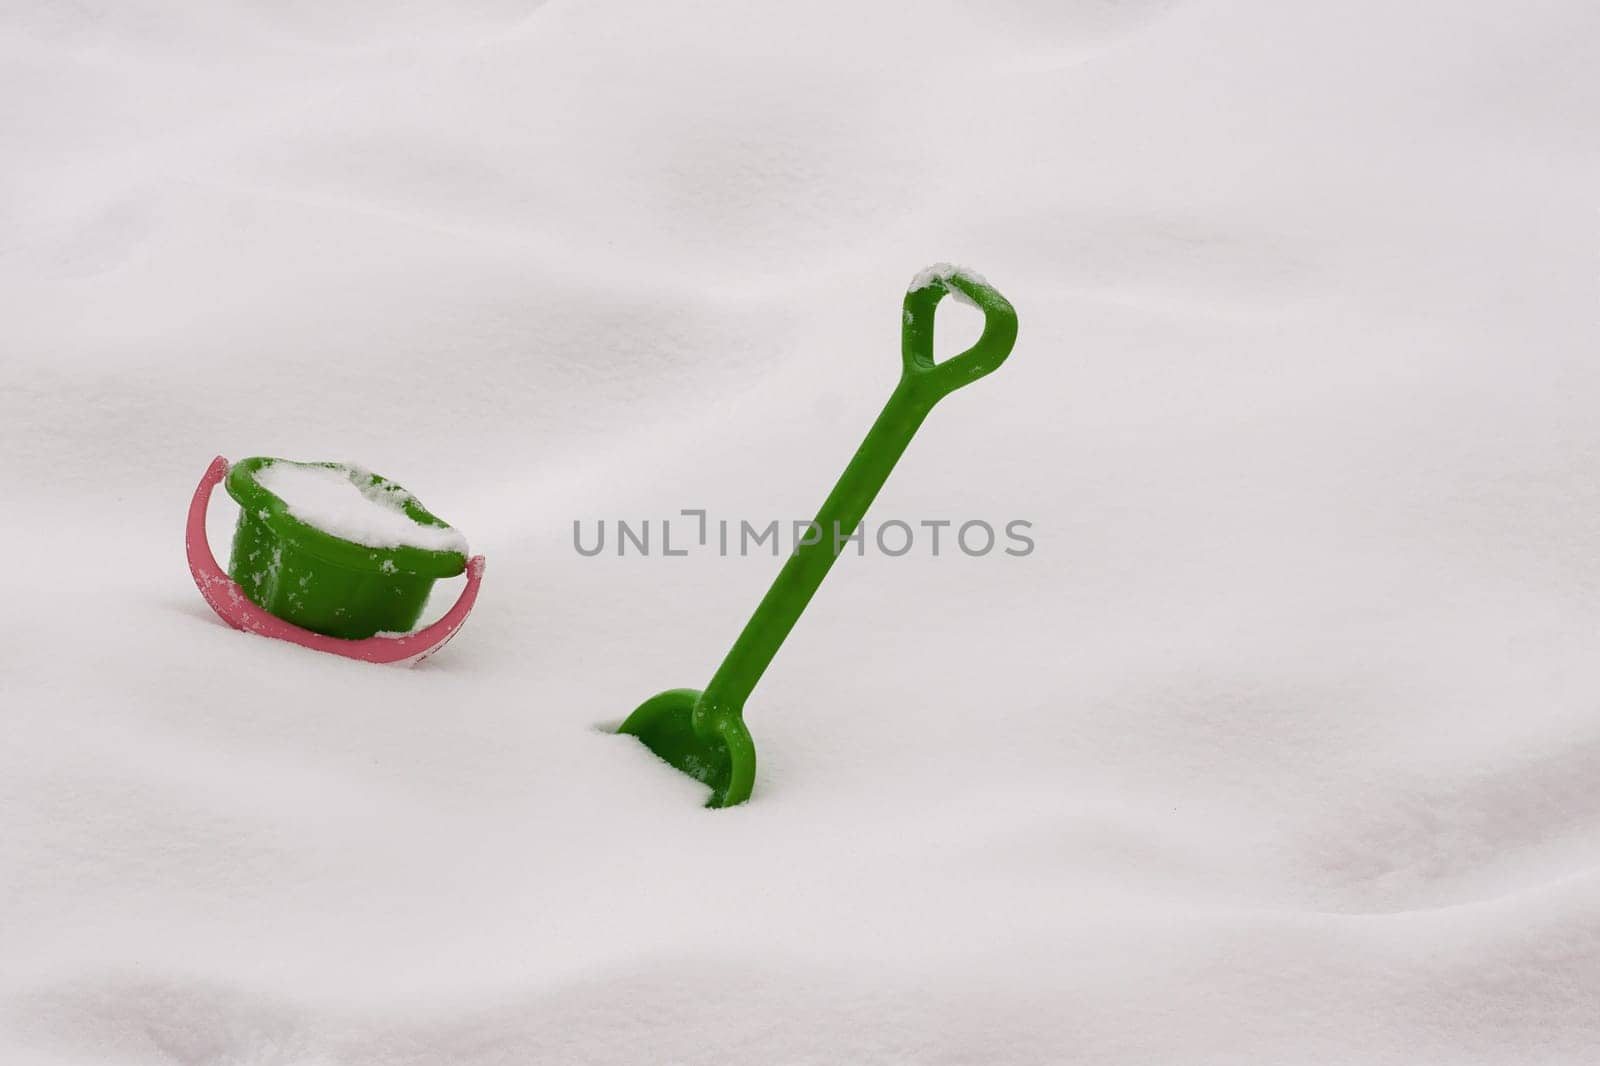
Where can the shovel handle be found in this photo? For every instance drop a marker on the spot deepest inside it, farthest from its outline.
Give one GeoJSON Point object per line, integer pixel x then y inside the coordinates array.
{"type": "Point", "coordinates": [919, 371]}
{"type": "Point", "coordinates": [922, 384]}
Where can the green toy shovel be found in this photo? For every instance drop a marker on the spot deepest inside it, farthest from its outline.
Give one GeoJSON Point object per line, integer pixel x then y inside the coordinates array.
{"type": "Point", "coordinates": [703, 733]}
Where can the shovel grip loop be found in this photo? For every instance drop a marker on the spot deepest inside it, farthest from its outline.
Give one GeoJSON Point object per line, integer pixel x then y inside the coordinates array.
{"type": "Point", "coordinates": [984, 357]}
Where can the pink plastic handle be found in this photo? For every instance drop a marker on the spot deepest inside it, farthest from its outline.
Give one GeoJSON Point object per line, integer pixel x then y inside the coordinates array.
{"type": "Point", "coordinates": [234, 607]}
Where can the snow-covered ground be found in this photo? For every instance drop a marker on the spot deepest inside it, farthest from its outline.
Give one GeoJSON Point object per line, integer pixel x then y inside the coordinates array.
{"type": "Point", "coordinates": [1282, 746]}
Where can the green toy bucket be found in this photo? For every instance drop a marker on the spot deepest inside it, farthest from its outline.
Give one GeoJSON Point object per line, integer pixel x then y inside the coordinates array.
{"type": "Point", "coordinates": [337, 585]}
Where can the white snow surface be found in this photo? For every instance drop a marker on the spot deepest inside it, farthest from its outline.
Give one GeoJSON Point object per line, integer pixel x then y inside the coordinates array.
{"type": "Point", "coordinates": [1282, 746]}
{"type": "Point", "coordinates": [344, 502]}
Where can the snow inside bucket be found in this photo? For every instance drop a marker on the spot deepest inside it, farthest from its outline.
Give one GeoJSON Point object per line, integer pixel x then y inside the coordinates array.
{"type": "Point", "coordinates": [349, 502]}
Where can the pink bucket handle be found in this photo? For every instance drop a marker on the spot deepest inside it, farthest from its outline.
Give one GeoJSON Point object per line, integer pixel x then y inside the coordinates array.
{"type": "Point", "coordinates": [234, 607]}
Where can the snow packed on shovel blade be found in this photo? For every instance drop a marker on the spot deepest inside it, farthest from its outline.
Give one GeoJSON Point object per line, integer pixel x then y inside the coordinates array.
{"type": "Point", "coordinates": [1279, 747]}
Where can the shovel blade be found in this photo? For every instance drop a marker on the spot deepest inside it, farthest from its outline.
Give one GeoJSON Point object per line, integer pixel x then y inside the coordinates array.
{"type": "Point", "coordinates": [711, 747]}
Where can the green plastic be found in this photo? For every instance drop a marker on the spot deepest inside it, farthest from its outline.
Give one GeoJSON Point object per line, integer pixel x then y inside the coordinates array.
{"type": "Point", "coordinates": [322, 582]}
{"type": "Point", "coordinates": [702, 733]}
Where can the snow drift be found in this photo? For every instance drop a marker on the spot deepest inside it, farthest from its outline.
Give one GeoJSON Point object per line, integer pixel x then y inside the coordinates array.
{"type": "Point", "coordinates": [1280, 747]}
